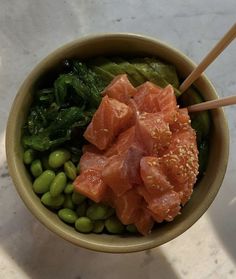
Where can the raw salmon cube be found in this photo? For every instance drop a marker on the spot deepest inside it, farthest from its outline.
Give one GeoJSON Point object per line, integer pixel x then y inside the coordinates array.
{"type": "Point", "coordinates": [115, 175]}
{"type": "Point", "coordinates": [152, 174]}
{"type": "Point", "coordinates": [122, 143]}
{"type": "Point", "coordinates": [128, 207]}
{"type": "Point", "coordinates": [147, 97]}
{"type": "Point", "coordinates": [166, 206]}
{"type": "Point", "coordinates": [181, 121]}
{"type": "Point", "coordinates": [90, 184]}
{"type": "Point", "coordinates": [144, 223]}
{"type": "Point", "coordinates": [181, 158]}
{"type": "Point", "coordinates": [168, 104]}
{"type": "Point", "coordinates": [109, 197]}
{"type": "Point", "coordinates": [153, 132]}
{"type": "Point", "coordinates": [92, 161]}
{"type": "Point", "coordinates": [108, 121]}
{"type": "Point", "coordinates": [120, 89]}
{"type": "Point", "coordinates": [91, 148]}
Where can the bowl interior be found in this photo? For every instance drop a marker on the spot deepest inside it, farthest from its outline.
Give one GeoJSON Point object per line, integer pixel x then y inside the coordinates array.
{"type": "Point", "coordinates": [117, 44]}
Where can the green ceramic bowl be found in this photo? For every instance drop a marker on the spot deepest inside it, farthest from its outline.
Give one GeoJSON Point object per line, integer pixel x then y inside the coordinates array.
{"type": "Point", "coordinates": [118, 44]}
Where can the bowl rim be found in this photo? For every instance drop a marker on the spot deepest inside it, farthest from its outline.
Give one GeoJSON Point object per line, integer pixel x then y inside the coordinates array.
{"type": "Point", "coordinates": [26, 197]}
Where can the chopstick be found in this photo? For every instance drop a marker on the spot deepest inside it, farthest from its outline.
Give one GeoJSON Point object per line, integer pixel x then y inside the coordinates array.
{"type": "Point", "coordinates": [213, 104]}
{"type": "Point", "coordinates": [209, 58]}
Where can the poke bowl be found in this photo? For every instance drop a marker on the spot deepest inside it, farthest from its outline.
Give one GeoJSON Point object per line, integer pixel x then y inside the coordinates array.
{"type": "Point", "coordinates": [105, 60]}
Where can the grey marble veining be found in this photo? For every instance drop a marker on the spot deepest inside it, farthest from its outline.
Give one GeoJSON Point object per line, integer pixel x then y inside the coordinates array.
{"type": "Point", "coordinates": [29, 30]}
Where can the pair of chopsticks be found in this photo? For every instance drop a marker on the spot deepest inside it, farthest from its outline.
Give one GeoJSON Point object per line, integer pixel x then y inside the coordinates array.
{"type": "Point", "coordinates": [209, 58]}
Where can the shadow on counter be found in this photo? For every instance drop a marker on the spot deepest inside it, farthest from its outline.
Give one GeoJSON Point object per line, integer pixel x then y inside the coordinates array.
{"type": "Point", "coordinates": [222, 213]}
{"type": "Point", "coordinates": [39, 253]}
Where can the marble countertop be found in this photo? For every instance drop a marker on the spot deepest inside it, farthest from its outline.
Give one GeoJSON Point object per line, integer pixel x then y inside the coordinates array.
{"type": "Point", "coordinates": [31, 29]}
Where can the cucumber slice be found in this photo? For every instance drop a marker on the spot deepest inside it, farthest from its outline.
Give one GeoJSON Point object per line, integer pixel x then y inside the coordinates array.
{"type": "Point", "coordinates": [134, 76]}
{"type": "Point", "coordinates": [151, 74]}
{"type": "Point", "coordinates": [166, 71]}
{"type": "Point", "coordinates": [104, 75]}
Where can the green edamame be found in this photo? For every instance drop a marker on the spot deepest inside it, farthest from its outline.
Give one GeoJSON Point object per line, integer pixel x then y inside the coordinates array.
{"type": "Point", "coordinates": [81, 209]}
{"type": "Point", "coordinates": [29, 156]}
{"type": "Point", "coordinates": [53, 202]}
{"type": "Point", "coordinates": [45, 163]}
{"type": "Point", "coordinates": [70, 170]}
{"type": "Point", "coordinates": [42, 183]}
{"type": "Point", "coordinates": [84, 225]}
{"type": "Point", "coordinates": [98, 226]}
{"type": "Point", "coordinates": [67, 215]}
{"type": "Point", "coordinates": [68, 203]}
{"type": "Point", "coordinates": [113, 225]}
{"type": "Point", "coordinates": [36, 168]}
{"type": "Point", "coordinates": [69, 188]}
{"type": "Point", "coordinates": [131, 228]}
{"type": "Point", "coordinates": [77, 198]}
{"type": "Point", "coordinates": [97, 211]}
{"type": "Point", "coordinates": [111, 211]}
{"type": "Point", "coordinates": [58, 157]}
{"type": "Point", "coordinates": [58, 184]}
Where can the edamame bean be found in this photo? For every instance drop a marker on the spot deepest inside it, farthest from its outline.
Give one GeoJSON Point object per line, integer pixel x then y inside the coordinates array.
{"type": "Point", "coordinates": [58, 184]}
{"type": "Point", "coordinates": [36, 168]}
{"type": "Point", "coordinates": [58, 157]}
{"type": "Point", "coordinates": [110, 212]}
{"type": "Point", "coordinates": [70, 170]}
{"type": "Point", "coordinates": [53, 202]}
{"type": "Point", "coordinates": [29, 156]}
{"type": "Point", "coordinates": [97, 211]}
{"type": "Point", "coordinates": [81, 209]}
{"type": "Point", "coordinates": [67, 215]}
{"type": "Point", "coordinates": [69, 188]}
{"type": "Point", "coordinates": [42, 183]}
{"type": "Point", "coordinates": [68, 203]}
{"type": "Point", "coordinates": [45, 163]}
{"type": "Point", "coordinates": [131, 228]}
{"type": "Point", "coordinates": [113, 225]}
{"type": "Point", "coordinates": [84, 225]}
{"type": "Point", "coordinates": [98, 226]}
{"type": "Point", "coordinates": [77, 198]}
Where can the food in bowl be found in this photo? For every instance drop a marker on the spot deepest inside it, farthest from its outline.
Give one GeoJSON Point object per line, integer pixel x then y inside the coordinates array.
{"type": "Point", "coordinates": [122, 182]}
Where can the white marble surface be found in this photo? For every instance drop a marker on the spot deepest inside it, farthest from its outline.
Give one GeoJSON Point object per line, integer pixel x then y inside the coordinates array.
{"type": "Point", "coordinates": [29, 30]}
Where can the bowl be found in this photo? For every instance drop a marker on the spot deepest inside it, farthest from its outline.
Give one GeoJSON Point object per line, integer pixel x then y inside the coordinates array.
{"type": "Point", "coordinates": [117, 44]}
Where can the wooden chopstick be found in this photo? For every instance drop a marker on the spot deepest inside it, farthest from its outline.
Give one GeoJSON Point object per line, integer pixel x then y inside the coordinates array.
{"type": "Point", "coordinates": [209, 58]}
{"type": "Point", "coordinates": [213, 104]}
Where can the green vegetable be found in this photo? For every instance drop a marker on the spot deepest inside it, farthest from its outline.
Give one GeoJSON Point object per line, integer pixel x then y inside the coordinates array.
{"type": "Point", "coordinates": [51, 133]}
{"type": "Point", "coordinates": [58, 184]}
{"type": "Point", "coordinates": [84, 225]}
{"type": "Point", "coordinates": [67, 215]}
{"type": "Point", "coordinates": [45, 163]}
{"type": "Point", "coordinates": [77, 198]}
{"type": "Point", "coordinates": [114, 226]}
{"type": "Point", "coordinates": [203, 156]}
{"type": "Point", "coordinates": [68, 203]}
{"type": "Point", "coordinates": [42, 183]}
{"type": "Point", "coordinates": [69, 188]}
{"type": "Point", "coordinates": [131, 228]}
{"type": "Point", "coordinates": [70, 170]}
{"type": "Point", "coordinates": [97, 211]}
{"type": "Point", "coordinates": [58, 157]}
{"type": "Point", "coordinates": [29, 156]}
{"type": "Point", "coordinates": [81, 209]}
{"type": "Point", "coordinates": [98, 226]}
{"type": "Point", "coordinates": [53, 202]}
{"type": "Point", "coordinates": [36, 168]}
